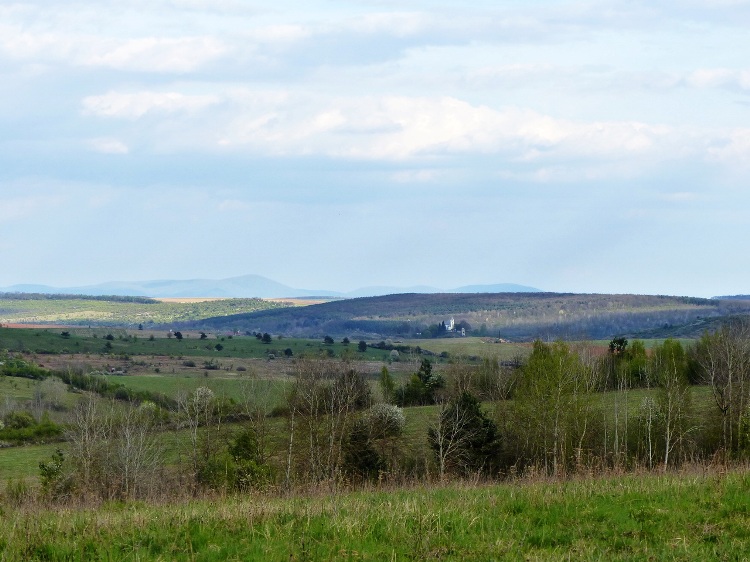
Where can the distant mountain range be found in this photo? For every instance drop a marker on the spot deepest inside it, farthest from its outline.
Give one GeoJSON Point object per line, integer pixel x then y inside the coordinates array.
{"type": "Point", "coordinates": [246, 286]}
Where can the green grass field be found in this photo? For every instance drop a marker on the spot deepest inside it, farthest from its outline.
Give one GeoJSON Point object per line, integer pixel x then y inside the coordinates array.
{"type": "Point", "coordinates": [471, 346]}
{"type": "Point", "coordinates": [230, 386]}
{"type": "Point", "coordinates": [23, 462]}
{"type": "Point", "coordinates": [646, 517]}
{"type": "Point", "coordinates": [95, 341]}
{"type": "Point", "coordinates": [17, 388]}
{"type": "Point", "coordinates": [84, 312]}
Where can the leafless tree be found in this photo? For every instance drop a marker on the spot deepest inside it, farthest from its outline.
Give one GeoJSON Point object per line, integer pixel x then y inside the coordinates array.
{"type": "Point", "coordinates": [323, 399]}
{"type": "Point", "coordinates": [449, 433]}
{"type": "Point", "coordinates": [136, 452]}
{"type": "Point", "coordinates": [256, 402]}
{"type": "Point", "coordinates": [197, 412]}
{"type": "Point", "coordinates": [724, 358]}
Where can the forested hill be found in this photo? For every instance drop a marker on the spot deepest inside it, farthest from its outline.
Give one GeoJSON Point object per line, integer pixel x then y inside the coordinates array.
{"type": "Point", "coordinates": [519, 316]}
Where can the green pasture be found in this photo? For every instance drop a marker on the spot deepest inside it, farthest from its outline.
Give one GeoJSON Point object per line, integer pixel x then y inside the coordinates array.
{"type": "Point", "coordinates": [229, 386]}
{"type": "Point", "coordinates": [669, 517]}
{"type": "Point", "coordinates": [121, 342]}
{"type": "Point", "coordinates": [472, 346]}
{"type": "Point", "coordinates": [87, 312]}
{"type": "Point", "coordinates": [23, 461]}
{"type": "Point", "coordinates": [21, 390]}
{"type": "Point", "coordinates": [17, 388]}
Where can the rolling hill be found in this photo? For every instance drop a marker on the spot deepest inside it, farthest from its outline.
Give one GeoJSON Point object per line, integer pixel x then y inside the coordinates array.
{"type": "Point", "coordinates": [517, 316]}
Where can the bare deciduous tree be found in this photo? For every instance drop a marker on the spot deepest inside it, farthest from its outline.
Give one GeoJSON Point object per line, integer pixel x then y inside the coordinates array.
{"type": "Point", "coordinates": [724, 358]}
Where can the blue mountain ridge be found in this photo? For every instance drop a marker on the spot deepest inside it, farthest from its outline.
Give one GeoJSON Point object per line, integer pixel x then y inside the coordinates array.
{"type": "Point", "coordinates": [246, 286]}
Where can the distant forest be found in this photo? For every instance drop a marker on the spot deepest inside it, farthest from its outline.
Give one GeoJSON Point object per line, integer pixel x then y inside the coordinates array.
{"type": "Point", "coordinates": [517, 316]}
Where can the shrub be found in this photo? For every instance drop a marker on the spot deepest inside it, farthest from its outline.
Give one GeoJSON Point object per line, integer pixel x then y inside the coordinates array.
{"type": "Point", "coordinates": [19, 420]}
{"type": "Point", "coordinates": [385, 420]}
{"type": "Point", "coordinates": [55, 482]}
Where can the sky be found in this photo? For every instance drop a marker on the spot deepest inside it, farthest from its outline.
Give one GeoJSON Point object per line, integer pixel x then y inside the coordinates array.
{"type": "Point", "coordinates": [593, 146]}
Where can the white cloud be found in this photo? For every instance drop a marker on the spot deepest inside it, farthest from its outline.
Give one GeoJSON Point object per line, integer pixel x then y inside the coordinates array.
{"type": "Point", "coordinates": [138, 104]}
{"type": "Point", "coordinates": [400, 128]}
{"type": "Point", "coordinates": [108, 146]}
{"type": "Point", "coordinates": [21, 208]}
{"type": "Point", "coordinates": [172, 55]}
{"type": "Point", "coordinates": [387, 128]}
{"type": "Point", "coordinates": [156, 54]}
{"type": "Point", "coordinates": [719, 78]}
{"type": "Point", "coordinates": [416, 176]}
{"type": "Point", "coordinates": [680, 197]}
{"type": "Point", "coordinates": [234, 206]}
{"type": "Point", "coordinates": [733, 150]}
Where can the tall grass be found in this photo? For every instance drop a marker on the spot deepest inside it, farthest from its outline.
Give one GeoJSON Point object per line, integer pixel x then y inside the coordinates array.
{"type": "Point", "coordinates": [689, 516]}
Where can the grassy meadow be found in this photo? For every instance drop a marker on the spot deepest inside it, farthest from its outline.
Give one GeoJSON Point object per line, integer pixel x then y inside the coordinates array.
{"type": "Point", "coordinates": [121, 312]}
{"type": "Point", "coordinates": [118, 342]}
{"type": "Point", "coordinates": [689, 516]}
{"type": "Point", "coordinates": [698, 512]}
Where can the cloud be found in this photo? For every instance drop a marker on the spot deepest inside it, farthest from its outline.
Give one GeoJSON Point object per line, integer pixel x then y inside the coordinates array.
{"type": "Point", "coordinates": [108, 146]}
{"type": "Point", "coordinates": [138, 104]}
{"type": "Point", "coordinates": [733, 150]}
{"type": "Point", "coordinates": [24, 207]}
{"type": "Point", "coordinates": [416, 176]}
{"type": "Point", "coordinates": [680, 197]}
{"type": "Point", "coordinates": [719, 78]}
{"type": "Point", "coordinates": [155, 54]}
{"type": "Point", "coordinates": [171, 55]}
{"type": "Point", "coordinates": [389, 129]}
{"type": "Point", "coordinates": [234, 206]}
{"type": "Point", "coordinates": [402, 128]}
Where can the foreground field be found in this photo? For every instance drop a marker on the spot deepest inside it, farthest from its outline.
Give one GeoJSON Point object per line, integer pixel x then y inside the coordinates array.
{"type": "Point", "coordinates": [676, 517]}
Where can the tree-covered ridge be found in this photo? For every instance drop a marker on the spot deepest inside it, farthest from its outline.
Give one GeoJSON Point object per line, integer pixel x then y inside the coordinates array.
{"type": "Point", "coordinates": [121, 311]}
{"type": "Point", "coordinates": [511, 315]}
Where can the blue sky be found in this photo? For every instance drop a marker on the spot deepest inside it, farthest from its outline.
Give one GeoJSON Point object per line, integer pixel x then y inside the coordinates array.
{"type": "Point", "coordinates": [573, 146]}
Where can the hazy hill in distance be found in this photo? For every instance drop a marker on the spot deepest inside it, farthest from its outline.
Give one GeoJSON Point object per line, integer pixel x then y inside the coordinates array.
{"type": "Point", "coordinates": [245, 286]}
{"type": "Point", "coordinates": [517, 316]}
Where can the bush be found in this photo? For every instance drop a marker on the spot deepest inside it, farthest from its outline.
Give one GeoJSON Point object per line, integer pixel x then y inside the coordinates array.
{"type": "Point", "coordinates": [19, 420]}
{"type": "Point", "coordinates": [55, 482]}
{"type": "Point", "coordinates": [385, 420]}
{"type": "Point", "coordinates": [16, 367]}
{"type": "Point", "coordinates": [21, 427]}
{"type": "Point", "coordinates": [360, 457]}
